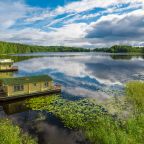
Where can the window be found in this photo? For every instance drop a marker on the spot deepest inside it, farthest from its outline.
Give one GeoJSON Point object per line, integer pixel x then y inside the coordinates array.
{"type": "Point", "coordinates": [18, 88]}
{"type": "Point", "coordinates": [46, 84]}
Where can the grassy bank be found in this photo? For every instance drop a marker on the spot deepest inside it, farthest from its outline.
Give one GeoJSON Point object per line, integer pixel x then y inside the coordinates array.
{"type": "Point", "coordinates": [11, 134]}
{"type": "Point", "coordinates": [98, 125]}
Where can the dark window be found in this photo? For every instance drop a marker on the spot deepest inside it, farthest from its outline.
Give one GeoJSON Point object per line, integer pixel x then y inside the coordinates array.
{"type": "Point", "coordinates": [18, 88]}
{"type": "Point", "coordinates": [46, 84]}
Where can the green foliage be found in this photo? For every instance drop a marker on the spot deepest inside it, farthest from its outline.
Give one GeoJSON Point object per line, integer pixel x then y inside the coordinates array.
{"type": "Point", "coordinates": [124, 49]}
{"type": "Point", "coordinates": [15, 48]}
{"type": "Point", "coordinates": [73, 113]}
{"type": "Point", "coordinates": [10, 134]}
{"type": "Point", "coordinates": [97, 124]}
{"type": "Point", "coordinates": [135, 96]}
{"type": "Point", "coordinates": [121, 49]}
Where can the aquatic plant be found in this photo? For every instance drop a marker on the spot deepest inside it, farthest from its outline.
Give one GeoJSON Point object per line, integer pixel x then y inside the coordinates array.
{"type": "Point", "coordinates": [11, 134]}
{"type": "Point", "coordinates": [95, 121]}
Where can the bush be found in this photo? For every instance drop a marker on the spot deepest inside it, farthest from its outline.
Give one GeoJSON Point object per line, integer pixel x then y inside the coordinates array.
{"type": "Point", "coordinates": [10, 134]}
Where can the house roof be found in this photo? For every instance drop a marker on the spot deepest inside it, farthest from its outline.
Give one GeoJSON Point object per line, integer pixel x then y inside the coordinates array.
{"type": "Point", "coordinates": [23, 80]}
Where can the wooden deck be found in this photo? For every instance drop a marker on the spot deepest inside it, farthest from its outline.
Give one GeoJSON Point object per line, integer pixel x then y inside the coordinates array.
{"type": "Point", "coordinates": [4, 98]}
{"type": "Point", "coordinates": [14, 68]}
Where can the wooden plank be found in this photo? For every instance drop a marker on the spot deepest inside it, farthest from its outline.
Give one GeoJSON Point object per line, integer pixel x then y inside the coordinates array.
{"type": "Point", "coordinates": [9, 70]}
{"type": "Point", "coordinates": [37, 94]}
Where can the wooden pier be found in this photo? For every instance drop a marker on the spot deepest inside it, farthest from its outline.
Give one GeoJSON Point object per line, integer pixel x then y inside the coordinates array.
{"type": "Point", "coordinates": [26, 87]}
{"type": "Point", "coordinates": [4, 98]}
{"type": "Point", "coordinates": [6, 65]}
{"type": "Point", "coordinates": [12, 69]}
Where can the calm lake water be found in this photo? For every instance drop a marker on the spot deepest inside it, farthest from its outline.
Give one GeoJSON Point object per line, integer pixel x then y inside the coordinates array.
{"type": "Point", "coordinates": [93, 75]}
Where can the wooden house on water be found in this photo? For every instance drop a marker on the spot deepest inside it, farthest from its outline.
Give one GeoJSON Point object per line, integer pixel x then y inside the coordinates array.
{"type": "Point", "coordinates": [6, 65]}
{"type": "Point", "coordinates": [20, 87]}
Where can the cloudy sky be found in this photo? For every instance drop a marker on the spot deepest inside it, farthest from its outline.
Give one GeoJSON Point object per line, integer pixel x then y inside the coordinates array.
{"type": "Point", "coordinates": [82, 23]}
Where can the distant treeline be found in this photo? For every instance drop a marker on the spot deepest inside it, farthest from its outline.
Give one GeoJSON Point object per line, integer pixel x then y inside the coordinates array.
{"type": "Point", "coordinates": [121, 49]}
{"type": "Point", "coordinates": [15, 48]}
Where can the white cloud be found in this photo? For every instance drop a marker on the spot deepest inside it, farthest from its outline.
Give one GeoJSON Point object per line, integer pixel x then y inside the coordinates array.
{"type": "Point", "coordinates": [26, 28]}
{"type": "Point", "coordinates": [45, 14]}
{"type": "Point", "coordinates": [82, 6]}
{"type": "Point", "coordinates": [86, 5]}
{"type": "Point", "coordinates": [58, 36]}
{"type": "Point", "coordinates": [125, 28]}
{"type": "Point", "coordinates": [10, 12]}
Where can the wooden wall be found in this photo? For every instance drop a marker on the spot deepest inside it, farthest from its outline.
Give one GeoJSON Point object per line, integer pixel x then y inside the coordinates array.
{"type": "Point", "coordinates": [29, 88]}
{"type": "Point", "coordinates": [3, 67]}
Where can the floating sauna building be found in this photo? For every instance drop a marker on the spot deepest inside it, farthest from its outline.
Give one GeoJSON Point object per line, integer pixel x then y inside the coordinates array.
{"type": "Point", "coordinates": [14, 88]}
{"type": "Point", "coordinates": [6, 65]}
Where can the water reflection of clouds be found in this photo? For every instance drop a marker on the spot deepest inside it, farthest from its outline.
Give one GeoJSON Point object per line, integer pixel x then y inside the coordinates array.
{"type": "Point", "coordinates": [116, 72]}
{"type": "Point", "coordinates": [88, 72]}
{"type": "Point", "coordinates": [64, 65]}
{"type": "Point", "coordinates": [46, 127]}
{"type": "Point", "coordinates": [79, 91]}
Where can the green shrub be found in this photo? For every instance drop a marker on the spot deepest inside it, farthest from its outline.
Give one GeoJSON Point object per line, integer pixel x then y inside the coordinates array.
{"type": "Point", "coordinates": [135, 95]}
{"type": "Point", "coordinates": [11, 134]}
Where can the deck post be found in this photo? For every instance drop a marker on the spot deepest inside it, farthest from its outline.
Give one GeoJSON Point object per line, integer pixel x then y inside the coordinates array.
{"type": "Point", "coordinates": [8, 90]}
{"type": "Point", "coordinates": [28, 88]}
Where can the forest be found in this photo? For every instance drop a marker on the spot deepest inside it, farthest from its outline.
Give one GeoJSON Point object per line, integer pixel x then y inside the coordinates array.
{"type": "Point", "coordinates": [121, 49]}
{"type": "Point", "coordinates": [16, 48]}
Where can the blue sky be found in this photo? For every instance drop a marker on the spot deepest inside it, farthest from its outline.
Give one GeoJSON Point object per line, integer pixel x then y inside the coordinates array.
{"type": "Point", "coordinates": [48, 3]}
{"type": "Point", "coordinates": [81, 23]}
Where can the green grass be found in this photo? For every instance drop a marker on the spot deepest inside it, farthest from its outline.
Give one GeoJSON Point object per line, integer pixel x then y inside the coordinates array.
{"type": "Point", "coordinates": [11, 134]}
{"type": "Point", "coordinates": [98, 125]}
{"type": "Point", "coordinates": [135, 96]}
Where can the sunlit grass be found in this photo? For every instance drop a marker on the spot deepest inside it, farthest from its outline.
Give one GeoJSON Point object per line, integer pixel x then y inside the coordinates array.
{"type": "Point", "coordinates": [11, 134]}
{"type": "Point", "coordinates": [98, 125]}
{"type": "Point", "coordinates": [135, 95]}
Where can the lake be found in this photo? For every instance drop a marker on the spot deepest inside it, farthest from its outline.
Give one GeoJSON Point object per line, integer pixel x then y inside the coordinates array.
{"type": "Point", "coordinates": [94, 75]}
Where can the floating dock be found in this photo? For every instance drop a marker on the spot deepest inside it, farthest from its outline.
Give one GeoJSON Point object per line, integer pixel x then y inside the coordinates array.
{"type": "Point", "coordinates": [6, 65]}
{"type": "Point", "coordinates": [26, 87]}
{"type": "Point", "coordinates": [12, 69]}
{"type": "Point", "coordinates": [4, 98]}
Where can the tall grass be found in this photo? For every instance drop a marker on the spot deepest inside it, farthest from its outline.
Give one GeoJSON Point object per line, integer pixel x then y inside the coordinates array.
{"type": "Point", "coordinates": [10, 134]}
{"type": "Point", "coordinates": [135, 96]}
